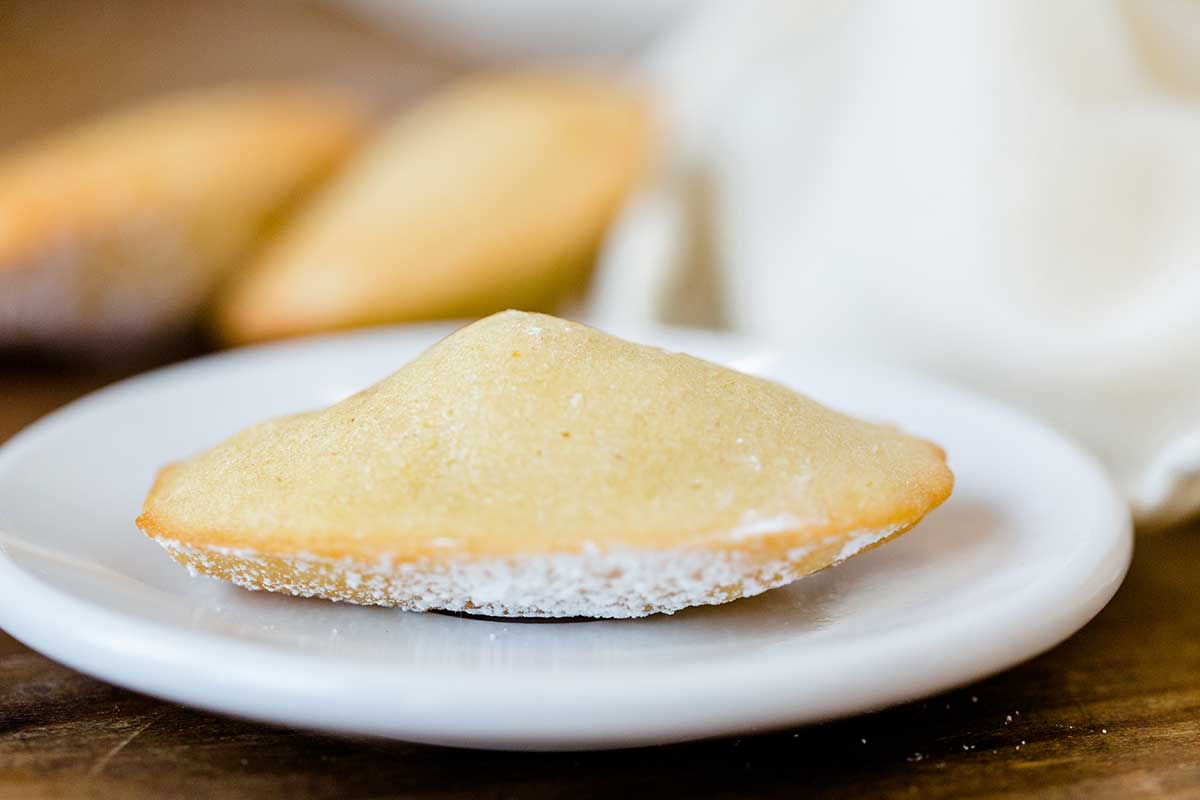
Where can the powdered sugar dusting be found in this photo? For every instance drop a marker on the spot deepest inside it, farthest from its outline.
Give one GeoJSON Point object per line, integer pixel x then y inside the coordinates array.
{"type": "Point", "coordinates": [590, 583]}
{"type": "Point", "coordinates": [861, 540]}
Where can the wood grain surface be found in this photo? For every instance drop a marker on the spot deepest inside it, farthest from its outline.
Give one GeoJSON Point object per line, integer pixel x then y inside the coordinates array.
{"type": "Point", "coordinates": [1112, 713]}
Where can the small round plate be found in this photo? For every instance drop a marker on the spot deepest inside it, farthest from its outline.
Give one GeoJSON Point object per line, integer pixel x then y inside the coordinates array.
{"type": "Point", "coordinates": [1032, 544]}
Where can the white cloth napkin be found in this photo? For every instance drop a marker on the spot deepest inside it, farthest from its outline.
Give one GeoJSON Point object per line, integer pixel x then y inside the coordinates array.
{"type": "Point", "coordinates": [1003, 193]}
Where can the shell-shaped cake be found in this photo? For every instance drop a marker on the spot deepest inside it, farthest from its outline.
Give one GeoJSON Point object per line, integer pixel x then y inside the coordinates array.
{"type": "Point", "coordinates": [492, 193]}
{"type": "Point", "coordinates": [116, 232]}
{"type": "Point", "coordinates": [530, 466]}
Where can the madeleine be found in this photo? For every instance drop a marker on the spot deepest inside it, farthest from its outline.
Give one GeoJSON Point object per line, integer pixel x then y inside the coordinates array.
{"type": "Point", "coordinates": [529, 466]}
{"type": "Point", "coordinates": [117, 231]}
{"type": "Point", "coordinates": [494, 193]}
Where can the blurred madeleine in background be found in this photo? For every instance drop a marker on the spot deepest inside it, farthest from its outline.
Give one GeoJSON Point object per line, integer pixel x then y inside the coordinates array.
{"type": "Point", "coordinates": [1002, 192]}
{"type": "Point", "coordinates": [494, 193]}
{"type": "Point", "coordinates": [115, 233]}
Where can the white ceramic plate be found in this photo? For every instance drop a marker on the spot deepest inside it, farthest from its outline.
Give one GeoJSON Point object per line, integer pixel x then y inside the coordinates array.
{"type": "Point", "coordinates": [1032, 544]}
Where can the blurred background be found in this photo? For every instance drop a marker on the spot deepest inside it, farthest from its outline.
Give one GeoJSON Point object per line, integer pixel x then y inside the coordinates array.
{"type": "Point", "coordinates": [1004, 194]}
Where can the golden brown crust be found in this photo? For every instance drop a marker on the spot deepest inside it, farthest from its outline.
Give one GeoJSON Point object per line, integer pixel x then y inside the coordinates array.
{"type": "Point", "coordinates": [493, 194]}
{"type": "Point", "coordinates": [344, 546]}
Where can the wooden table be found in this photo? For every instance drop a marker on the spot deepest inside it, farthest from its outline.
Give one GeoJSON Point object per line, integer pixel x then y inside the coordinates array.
{"type": "Point", "coordinates": [1113, 712]}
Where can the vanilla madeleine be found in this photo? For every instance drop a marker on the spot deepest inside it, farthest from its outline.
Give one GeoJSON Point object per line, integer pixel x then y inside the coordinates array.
{"type": "Point", "coordinates": [493, 193]}
{"type": "Point", "coordinates": [530, 466]}
{"type": "Point", "coordinates": [118, 230]}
